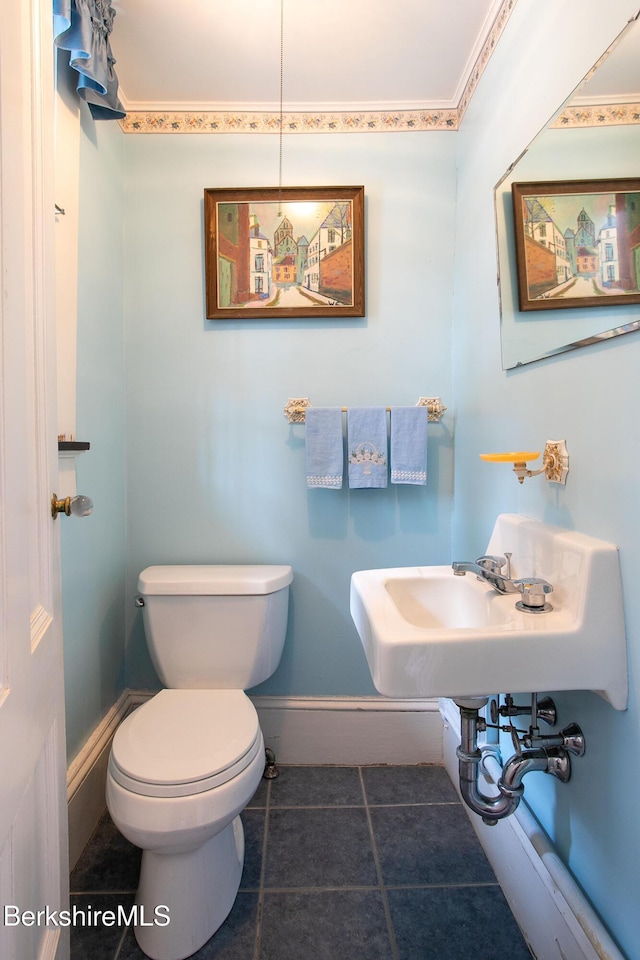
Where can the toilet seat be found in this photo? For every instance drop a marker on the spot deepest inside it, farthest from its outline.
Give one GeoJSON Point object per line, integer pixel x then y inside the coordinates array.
{"type": "Point", "coordinates": [184, 742]}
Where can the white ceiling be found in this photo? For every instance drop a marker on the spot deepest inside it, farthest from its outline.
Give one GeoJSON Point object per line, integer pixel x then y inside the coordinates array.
{"type": "Point", "coordinates": [338, 54]}
{"type": "Point", "coordinates": [617, 79]}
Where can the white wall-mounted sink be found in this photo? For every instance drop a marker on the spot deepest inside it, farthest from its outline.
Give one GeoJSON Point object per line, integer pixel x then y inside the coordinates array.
{"type": "Point", "coordinates": [428, 633]}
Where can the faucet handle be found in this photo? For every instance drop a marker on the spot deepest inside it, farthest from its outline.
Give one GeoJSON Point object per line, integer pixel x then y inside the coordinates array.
{"type": "Point", "coordinates": [491, 563]}
{"type": "Point", "coordinates": [534, 591]}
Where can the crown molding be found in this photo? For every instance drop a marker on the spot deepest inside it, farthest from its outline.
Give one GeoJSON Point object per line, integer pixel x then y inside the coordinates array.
{"type": "Point", "coordinates": [294, 108]}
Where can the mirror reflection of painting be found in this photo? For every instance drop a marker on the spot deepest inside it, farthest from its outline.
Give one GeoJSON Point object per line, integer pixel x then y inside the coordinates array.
{"type": "Point", "coordinates": [575, 246]}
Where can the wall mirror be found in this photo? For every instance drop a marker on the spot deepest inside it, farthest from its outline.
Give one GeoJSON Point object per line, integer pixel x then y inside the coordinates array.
{"type": "Point", "coordinates": [594, 136]}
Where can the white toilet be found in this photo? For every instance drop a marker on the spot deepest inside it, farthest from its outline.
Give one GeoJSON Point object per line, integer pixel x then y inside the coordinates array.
{"type": "Point", "coordinates": [185, 763]}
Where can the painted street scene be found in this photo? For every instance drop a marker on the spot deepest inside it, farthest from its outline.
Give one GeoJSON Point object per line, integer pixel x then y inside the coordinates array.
{"type": "Point", "coordinates": [292, 254]}
{"type": "Point", "coordinates": [582, 245]}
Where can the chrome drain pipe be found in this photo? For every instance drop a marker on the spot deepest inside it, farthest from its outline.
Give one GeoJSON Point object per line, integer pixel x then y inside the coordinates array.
{"type": "Point", "coordinates": [553, 760]}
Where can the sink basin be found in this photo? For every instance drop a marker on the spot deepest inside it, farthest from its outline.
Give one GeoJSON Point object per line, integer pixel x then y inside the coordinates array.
{"type": "Point", "coordinates": [435, 599]}
{"type": "Point", "coordinates": [429, 633]}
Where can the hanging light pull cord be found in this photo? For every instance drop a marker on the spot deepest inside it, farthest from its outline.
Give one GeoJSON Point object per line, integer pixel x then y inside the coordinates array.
{"type": "Point", "coordinates": [280, 131]}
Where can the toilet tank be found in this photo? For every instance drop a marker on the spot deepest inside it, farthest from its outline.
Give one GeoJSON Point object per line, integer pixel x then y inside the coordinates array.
{"type": "Point", "coordinates": [217, 626]}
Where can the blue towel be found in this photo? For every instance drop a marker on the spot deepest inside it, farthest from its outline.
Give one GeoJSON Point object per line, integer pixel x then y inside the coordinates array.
{"type": "Point", "coordinates": [409, 445]}
{"type": "Point", "coordinates": [367, 445]}
{"type": "Point", "coordinates": [323, 450]}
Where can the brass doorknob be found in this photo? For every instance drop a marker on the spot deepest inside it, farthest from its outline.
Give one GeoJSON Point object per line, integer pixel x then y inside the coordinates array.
{"type": "Point", "coordinates": [79, 506]}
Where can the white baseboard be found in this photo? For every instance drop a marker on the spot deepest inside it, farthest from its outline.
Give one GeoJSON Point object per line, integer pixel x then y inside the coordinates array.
{"type": "Point", "coordinates": [556, 919]}
{"type": "Point", "coordinates": [351, 730]}
{"type": "Point", "coordinates": [87, 774]}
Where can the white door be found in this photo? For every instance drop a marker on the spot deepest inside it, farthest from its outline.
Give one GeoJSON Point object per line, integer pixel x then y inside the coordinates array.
{"type": "Point", "coordinates": [33, 831]}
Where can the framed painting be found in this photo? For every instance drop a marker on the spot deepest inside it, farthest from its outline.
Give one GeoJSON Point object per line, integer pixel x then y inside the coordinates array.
{"type": "Point", "coordinates": [577, 243]}
{"type": "Point", "coordinates": [284, 252]}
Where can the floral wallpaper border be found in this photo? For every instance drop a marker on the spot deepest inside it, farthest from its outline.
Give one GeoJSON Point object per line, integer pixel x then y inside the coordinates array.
{"type": "Point", "coordinates": [599, 115]}
{"type": "Point", "coordinates": [613, 114]}
{"type": "Point", "coordinates": [208, 122]}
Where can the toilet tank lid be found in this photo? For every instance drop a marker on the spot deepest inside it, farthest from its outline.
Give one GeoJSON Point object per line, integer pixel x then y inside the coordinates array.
{"type": "Point", "coordinates": [214, 580]}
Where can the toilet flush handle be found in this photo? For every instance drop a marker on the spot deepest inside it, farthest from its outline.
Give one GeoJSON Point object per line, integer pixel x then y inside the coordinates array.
{"type": "Point", "coordinates": [138, 602]}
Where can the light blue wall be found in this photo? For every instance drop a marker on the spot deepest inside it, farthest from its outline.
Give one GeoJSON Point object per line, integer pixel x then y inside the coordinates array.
{"type": "Point", "coordinates": [589, 397]}
{"type": "Point", "coordinates": [93, 549]}
{"type": "Point", "coordinates": [214, 471]}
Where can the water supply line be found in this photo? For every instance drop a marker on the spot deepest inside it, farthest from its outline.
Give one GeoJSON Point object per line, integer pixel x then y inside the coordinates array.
{"type": "Point", "coordinates": [548, 754]}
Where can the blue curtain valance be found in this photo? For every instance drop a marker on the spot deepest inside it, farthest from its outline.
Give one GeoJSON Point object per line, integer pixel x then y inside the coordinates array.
{"type": "Point", "coordinates": [82, 27]}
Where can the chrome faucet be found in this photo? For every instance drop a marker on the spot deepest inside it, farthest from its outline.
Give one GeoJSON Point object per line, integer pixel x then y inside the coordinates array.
{"type": "Point", "coordinates": [488, 568]}
{"type": "Point", "coordinates": [533, 589]}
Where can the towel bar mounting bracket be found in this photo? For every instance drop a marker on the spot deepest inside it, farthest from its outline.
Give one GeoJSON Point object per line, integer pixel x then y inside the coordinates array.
{"type": "Point", "coordinates": [295, 409]}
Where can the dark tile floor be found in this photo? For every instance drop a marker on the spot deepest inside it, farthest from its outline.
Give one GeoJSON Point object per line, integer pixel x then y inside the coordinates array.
{"type": "Point", "coordinates": [341, 863]}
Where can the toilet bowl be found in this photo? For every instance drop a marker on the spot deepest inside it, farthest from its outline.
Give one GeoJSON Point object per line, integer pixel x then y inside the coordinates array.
{"type": "Point", "coordinates": [181, 769]}
{"type": "Point", "coordinates": [186, 763]}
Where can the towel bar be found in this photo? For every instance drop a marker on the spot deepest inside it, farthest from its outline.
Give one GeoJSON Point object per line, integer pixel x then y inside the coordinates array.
{"type": "Point", "coordinates": [295, 409]}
